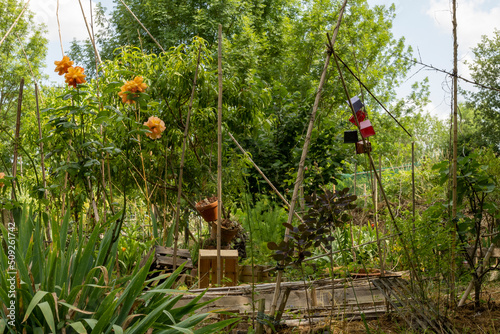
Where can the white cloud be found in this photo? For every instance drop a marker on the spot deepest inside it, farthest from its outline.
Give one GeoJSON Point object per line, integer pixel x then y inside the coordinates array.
{"type": "Point", "coordinates": [475, 18]}
{"type": "Point", "coordinates": [70, 18]}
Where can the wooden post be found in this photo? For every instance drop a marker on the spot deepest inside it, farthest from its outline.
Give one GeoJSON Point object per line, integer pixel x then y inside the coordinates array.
{"type": "Point", "coordinates": [281, 309]}
{"type": "Point", "coordinates": [16, 138]}
{"type": "Point", "coordinates": [352, 219]}
{"type": "Point", "coordinates": [355, 174]}
{"type": "Point", "coordinates": [219, 158]}
{"type": "Point", "coordinates": [15, 22]}
{"type": "Point", "coordinates": [413, 179]}
{"type": "Point", "coordinates": [454, 167]}
{"type": "Point", "coordinates": [298, 181]}
{"type": "Point", "coordinates": [179, 186]}
{"type": "Point", "coordinates": [42, 160]}
{"type": "Point", "coordinates": [261, 308]}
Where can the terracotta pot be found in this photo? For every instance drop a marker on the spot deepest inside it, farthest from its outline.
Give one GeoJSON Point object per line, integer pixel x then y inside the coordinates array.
{"type": "Point", "coordinates": [208, 212]}
{"type": "Point", "coordinates": [226, 235]}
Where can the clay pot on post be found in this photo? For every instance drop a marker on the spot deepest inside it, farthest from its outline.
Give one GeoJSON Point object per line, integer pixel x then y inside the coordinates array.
{"type": "Point", "coordinates": [226, 235]}
{"type": "Point", "coordinates": [208, 209]}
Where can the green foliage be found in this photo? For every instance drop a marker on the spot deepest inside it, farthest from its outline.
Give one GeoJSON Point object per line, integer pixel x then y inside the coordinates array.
{"type": "Point", "coordinates": [325, 214]}
{"type": "Point", "coordinates": [85, 295]}
{"type": "Point", "coordinates": [264, 220]}
{"type": "Point", "coordinates": [485, 70]}
{"type": "Point", "coordinates": [14, 66]}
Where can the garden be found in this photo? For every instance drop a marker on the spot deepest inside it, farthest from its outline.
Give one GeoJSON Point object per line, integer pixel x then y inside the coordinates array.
{"type": "Point", "coordinates": [245, 167]}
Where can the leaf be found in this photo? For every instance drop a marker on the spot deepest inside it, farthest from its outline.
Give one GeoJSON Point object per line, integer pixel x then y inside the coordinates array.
{"type": "Point", "coordinates": [36, 298]}
{"type": "Point", "coordinates": [48, 315]}
{"type": "Point", "coordinates": [272, 245]}
{"type": "Point", "coordinates": [78, 327]}
{"type": "Point", "coordinates": [74, 308]}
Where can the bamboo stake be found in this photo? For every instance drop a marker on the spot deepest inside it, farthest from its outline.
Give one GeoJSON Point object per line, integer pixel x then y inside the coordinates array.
{"type": "Point", "coordinates": [300, 171]}
{"type": "Point", "coordinates": [59, 28]}
{"type": "Point", "coordinates": [219, 157]}
{"type": "Point", "coordinates": [413, 178]}
{"type": "Point", "coordinates": [15, 22]}
{"type": "Point", "coordinates": [454, 167]}
{"type": "Point", "coordinates": [245, 153]}
{"type": "Point", "coordinates": [16, 138]}
{"type": "Point", "coordinates": [42, 158]}
{"type": "Point", "coordinates": [90, 34]}
{"type": "Point", "coordinates": [184, 144]}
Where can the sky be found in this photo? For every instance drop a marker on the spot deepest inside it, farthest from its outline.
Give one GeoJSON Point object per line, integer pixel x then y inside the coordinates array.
{"type": "Point", "coordinates": [425, 25]}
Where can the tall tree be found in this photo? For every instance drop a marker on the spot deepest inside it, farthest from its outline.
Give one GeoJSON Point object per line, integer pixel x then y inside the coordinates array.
{"type": "Point", "coordinates": [485, 69]}
{"type": "Point", "coordinates": [14, 66]}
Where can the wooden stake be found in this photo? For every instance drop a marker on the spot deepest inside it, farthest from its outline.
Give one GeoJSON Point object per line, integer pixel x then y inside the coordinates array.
{"type": "Point", "coordinates": [454, 167]}
{"type": "Point", "coordinates": [298, 181]}
{"type": "Point", "coordinates": [181, 169]}
{"type": "Point", "coordinates": [15, 22]}
{"type": "Point", "coordinates": [42, 159]}
{"type": "Point", "coordinates": [260, 309]}
{"type": "Point", "coordinates": [90, 34]}
{"type": "Point", "coordinates": [16, 138]}
{"type": "Point", "coordinates": [413, 178]}
{"type": "Point", "coordinates": [219, 158]}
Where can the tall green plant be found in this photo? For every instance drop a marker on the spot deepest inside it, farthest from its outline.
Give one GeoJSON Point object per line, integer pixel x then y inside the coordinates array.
{"type": "Point", "coordinates": [69, 286]}
{"type": "Point", "coordinates": [477, 212]}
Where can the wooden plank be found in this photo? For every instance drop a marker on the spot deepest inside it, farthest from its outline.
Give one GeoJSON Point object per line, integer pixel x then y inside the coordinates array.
{"type": "Point", "coordinates": [212, 253]}
{"type": "Point", "coordinates": [169, 261]}
{"type": "Point", "coordinates": [249, 279]}
{"type": "Point", "coordinates": [170, 251]}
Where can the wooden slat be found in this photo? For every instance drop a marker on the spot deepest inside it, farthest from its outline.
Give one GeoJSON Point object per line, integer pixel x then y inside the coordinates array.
{"type": "Point", "coordinates": [170, 251]}
{"type": "Point", "coordinates": [169, 261]}
{"type": "Point", "coordinates": [212, 253]}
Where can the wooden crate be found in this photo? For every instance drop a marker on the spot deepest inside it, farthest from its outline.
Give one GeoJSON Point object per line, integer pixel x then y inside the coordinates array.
{"type": "Point", "coordinates": [207, 267]}
{"type": "Point", "coordinates": [164, 257]}
{"type": "Point", "coordinates": [163, 263]}
{"type": "Point", "coordinates": [259, 276]}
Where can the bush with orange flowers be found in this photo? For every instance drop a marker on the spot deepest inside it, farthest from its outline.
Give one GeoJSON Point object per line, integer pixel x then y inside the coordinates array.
{"type": "Point", "coordinates": [72, 75]}
{"type": "Point", "coordinates": [156, 126]}
{"type": "Point", "coordinates": [129, 91]}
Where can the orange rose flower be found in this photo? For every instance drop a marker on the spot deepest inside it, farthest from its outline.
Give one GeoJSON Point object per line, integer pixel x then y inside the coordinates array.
{"type": "Point", "coordinates": [2, 175]}
{"type": "Point", "coordinates": [156, 126]}
{"type": "Point", "coordinates": [75, 76]}
{"type": "Point", "coordinates": [130, 89]}
{"type": "Point", "coordinates": [63, 65]}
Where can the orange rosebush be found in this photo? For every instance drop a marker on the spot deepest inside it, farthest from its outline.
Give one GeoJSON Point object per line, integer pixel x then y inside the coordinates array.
{"type": "Point", "coordinates": [75, 76]}
{"type": "Point", "coordinates": [156, 126]}
{"type": "Point", "coordinates": [63, 65]}
{"type": "Point", "coordinates": [130, 89]}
